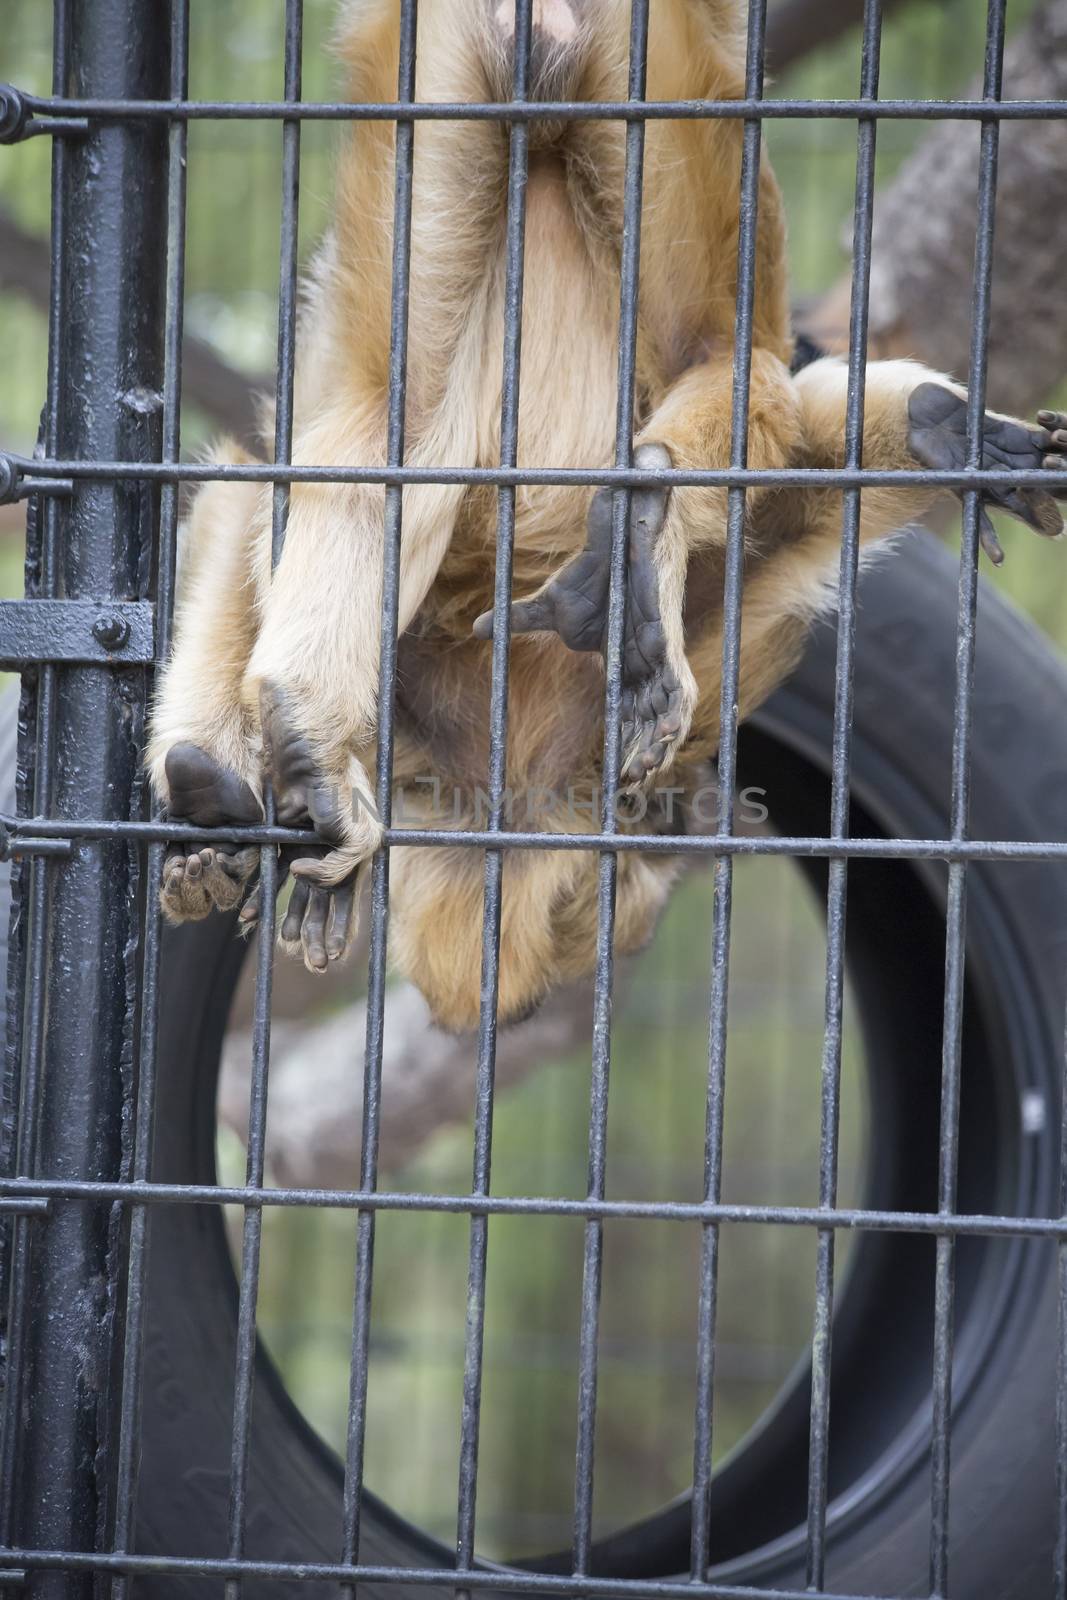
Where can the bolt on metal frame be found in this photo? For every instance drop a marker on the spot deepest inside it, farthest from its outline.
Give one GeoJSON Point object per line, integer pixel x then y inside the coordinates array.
{"type": "Point", "coordinates": [85, 975]}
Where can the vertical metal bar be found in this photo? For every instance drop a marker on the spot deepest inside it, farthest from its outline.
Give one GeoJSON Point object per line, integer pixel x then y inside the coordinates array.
{"type": "Point", "coordinates": [633, 193]}
{"type": "Point", "coordinates": [1060, 1552]}
{"type": "Point", "coordinates": [837, 886]}
{"type": "Point", "coordinates": [244, 1374]}
{"type": "Point", "coordinates": [748, 220]}
{"type": "Point", "coordinates": [130, 1407]}
{"type": "Point", "coordinates": [956, 916]}
{"type": "Point", "coordinates": [379, 893]}
{"type": "Point", "coordinates": [112, 200]}
{"type": "Point", "coordinates": [31, 1044]}
{"type": "Point", "coordinates": [494, 859]}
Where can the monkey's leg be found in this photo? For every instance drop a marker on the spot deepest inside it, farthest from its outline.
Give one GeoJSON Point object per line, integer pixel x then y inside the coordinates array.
{"type": "Point", "coordinates": [202, 751]}
{"type": "Point", "coordinates": [690, 429]}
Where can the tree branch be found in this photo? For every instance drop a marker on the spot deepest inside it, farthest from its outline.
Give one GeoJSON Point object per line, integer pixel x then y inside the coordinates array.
{"type": "Point", "coordinates": [315, 1100]}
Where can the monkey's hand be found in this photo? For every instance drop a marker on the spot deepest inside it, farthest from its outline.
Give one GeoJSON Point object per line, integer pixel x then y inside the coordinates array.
{"type": "Point", "coordinates": [658, 691]}
{"type": "Point", "coordinates": [320, 922]}
{"type": "Point", "coordinates": [937, 436]}
{"type": "Point", "coordinates": [201, 878]}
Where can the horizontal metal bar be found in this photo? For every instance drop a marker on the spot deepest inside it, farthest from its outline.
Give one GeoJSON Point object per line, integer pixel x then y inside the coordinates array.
{"type": "Point", "coordinates": [118, 633]}
{"type": "Point", "coordinates": [27, 1206]}
{"type": "Point", "coordinates": [499, 1578]}
{"type": "Point", "coordinates": [628, 477]}
{"type": "Point", "coordinates": [853, 1219]}
{"type": "Point", "coordinates": [15, 849]}
{"type": "Point", "coordinates": [481, 839]}
{"type": "Point", "coordinates": [556, 110]}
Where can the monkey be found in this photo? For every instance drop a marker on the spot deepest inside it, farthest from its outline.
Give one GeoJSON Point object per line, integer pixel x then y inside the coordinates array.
{"type": "Point", "coordinates": [274, 675]}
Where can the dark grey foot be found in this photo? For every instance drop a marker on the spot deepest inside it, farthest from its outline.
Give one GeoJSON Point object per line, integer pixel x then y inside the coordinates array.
{"type": "Point", "coordinates": [320, 920]}
{"type": "Point", "coordinates": [937, 437]}
{"type": "Point", "coordinates": [574, 604]}
{"type": "Point", "coordinates": [201, 878]}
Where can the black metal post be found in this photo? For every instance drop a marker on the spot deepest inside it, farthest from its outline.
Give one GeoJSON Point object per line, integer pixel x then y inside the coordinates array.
{"type": "Point", "coordinates": [109, 403]}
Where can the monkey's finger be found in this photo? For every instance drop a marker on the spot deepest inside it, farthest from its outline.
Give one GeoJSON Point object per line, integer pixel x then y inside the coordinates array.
{"type": "Point", "coordinates": [248, 915]}
{"type": "Point", "coordinates": [1052, 419]}
{"type": "Point", "coordinates": [314, 930]}
{"type": "Point", "coordinates": [342, 914]}
{"type": "Point", "coordinates": [1034, 507]}
{"type": "Point", "coordinates": [250, 912]}
{"type": "Point", "coordinates": [1056, 461]}
{"type": "Point", "coordinates": [536, 615]}
{"type": "Point", "coordinates": [329, 869]}
{"type": "Point", "coordinates": [988, 537]}
{"type": "Point", "coordinates": [294, 916]}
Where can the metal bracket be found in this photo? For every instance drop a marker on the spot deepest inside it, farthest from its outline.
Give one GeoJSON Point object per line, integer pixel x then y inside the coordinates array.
{"type": "Point", "coordinates": [118, 633]}
{"type": "Point", "coordinates": [17, 120]}
{"type": "Point", "coordinates": [17, 481]}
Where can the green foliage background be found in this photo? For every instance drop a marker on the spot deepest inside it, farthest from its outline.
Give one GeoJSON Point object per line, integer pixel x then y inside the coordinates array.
{"type": "Point", "coordinates": [659, 1065]}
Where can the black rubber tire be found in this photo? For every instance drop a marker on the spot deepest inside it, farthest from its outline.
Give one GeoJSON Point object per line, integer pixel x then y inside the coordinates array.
{"type": "Point", "coordinates": [1002, 1522]}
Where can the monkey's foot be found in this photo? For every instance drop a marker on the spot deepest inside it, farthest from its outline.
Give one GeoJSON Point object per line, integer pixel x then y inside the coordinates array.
{"type": "Point", "coordinates": [937, 437]}
{"type": "Point", "coordinates": [320, 922]}
{"type": "Point", "coordinates": [658, 692]}
{"type": "Point", "coordinates": [201, 878]}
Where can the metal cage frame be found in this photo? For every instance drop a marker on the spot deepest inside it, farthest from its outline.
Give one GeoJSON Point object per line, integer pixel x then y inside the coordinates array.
{"type": "Point", "coordinates": [103, 489]}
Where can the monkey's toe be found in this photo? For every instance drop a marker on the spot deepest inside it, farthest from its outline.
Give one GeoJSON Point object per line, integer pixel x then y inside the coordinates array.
{"type": "Point", "coordinates": [183, 895]}
{"type": "Point", "coordinates": [937, 437]}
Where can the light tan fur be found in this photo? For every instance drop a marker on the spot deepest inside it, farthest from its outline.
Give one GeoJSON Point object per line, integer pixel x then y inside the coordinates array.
{"type": "Point", "coordinates": [313, 628]}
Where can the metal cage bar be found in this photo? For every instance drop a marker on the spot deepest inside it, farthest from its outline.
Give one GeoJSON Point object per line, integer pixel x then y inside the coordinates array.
{"type": "Point", "coordinates": [956, 918]}
{"type": "Point", "coordinates": [252, 1232]}
{"type": "Point", "coordinates": [477, 1266]}
{"type": "Point", "coordinates": [375, 1035]}
{"type": "Point", "coordinates": [593, 1246]}
{"type": "Point", "coordinates": [840, 797]}
{"type": "Point", "coordinates": [722, 909]}
{"type": "Point", "coordinates": [80, 1202]}
{"type": "Point", "coordinates": [130, 1401]}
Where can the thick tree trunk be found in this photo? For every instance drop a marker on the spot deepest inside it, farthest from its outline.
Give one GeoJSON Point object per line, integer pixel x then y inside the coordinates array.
{"type": "Point", "coordinates": [924, 232]}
